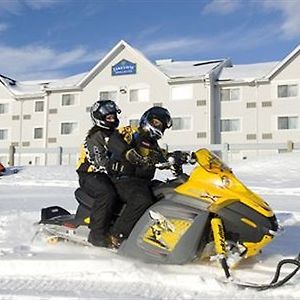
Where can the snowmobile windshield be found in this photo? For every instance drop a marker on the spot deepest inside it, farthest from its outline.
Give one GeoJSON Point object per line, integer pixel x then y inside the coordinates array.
{"type": "Point", "coordinates": [210, 161]}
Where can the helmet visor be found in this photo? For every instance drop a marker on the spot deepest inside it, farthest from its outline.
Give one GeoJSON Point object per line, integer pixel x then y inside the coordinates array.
{"type": "Point", "coordinates": [109, 109]}
{"type": "Point", "coordinates": [156, 123]}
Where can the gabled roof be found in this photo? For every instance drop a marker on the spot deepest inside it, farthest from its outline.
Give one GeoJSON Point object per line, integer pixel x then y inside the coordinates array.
{"type": "Point", "coordinates": [284, 62]}
{"type": "Point", "coordinates": [67, 82]}
{"type": "Point", "coordinates": [184, 69]}
{"type": "Point", "coordinates": [109, 56]}
{"type": "Point", "coordinates": [248, 72]}
{"type": "Point", "coordinates": [166, 68]}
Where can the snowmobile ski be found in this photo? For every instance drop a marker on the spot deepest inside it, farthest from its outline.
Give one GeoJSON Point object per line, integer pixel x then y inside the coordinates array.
{"type": "Point", "coordinates": [276, 281]}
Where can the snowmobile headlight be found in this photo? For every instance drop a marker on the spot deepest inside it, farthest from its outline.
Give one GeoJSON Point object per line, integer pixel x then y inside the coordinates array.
{"type": "Point", "coordinates": [225, 181]}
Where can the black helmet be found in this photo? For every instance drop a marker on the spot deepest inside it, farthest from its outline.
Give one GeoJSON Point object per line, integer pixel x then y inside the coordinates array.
{"type": "Point", "coordinates": [101, 109]}
{"type": "Point", "coordinates": [146, 122]}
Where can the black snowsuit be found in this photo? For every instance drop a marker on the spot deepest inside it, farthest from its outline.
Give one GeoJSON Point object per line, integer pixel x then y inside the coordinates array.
{"type": "Point", "coordinates": [132, 181]}
{"type": "Point", "coordinates": [95, 182]}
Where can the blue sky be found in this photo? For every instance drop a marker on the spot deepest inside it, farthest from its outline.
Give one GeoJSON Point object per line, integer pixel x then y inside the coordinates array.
{"type": "Point", "coordinates": [43, 39]}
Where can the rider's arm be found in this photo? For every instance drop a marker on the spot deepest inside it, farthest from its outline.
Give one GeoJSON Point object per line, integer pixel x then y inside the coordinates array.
{"type": "Point", "coordinates": [117, 146]}
{"type": "Point", "coordinates": [121, 146]}
{"type": "Point", "coordinates": [96, 151]}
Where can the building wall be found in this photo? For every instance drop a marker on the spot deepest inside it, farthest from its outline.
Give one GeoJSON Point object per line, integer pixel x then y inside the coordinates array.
{"type": "Point", "coordinates": [6, 121]}
{"type": "Point", "coordinates": [257, 108]}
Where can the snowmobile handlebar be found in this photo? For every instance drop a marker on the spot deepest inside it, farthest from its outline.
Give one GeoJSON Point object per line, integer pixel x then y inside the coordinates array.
{"type": "Point", "coordinates": [177, 159]}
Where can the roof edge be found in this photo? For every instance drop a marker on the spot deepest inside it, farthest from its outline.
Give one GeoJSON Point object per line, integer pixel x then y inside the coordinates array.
{"type": "Point", "coordinates": [283, 62]}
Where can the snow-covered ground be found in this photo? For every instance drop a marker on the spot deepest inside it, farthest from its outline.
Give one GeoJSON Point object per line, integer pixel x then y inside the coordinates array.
{"type": "Point", "coordinates": [63, 271]}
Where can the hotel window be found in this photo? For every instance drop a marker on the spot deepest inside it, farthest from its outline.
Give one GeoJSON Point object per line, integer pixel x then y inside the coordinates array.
{"type": "Point", "coordinates": [182, 123]}
{"type": "Point", "coordinates": [139, 95]}
{"type": "Point", "coordinates": [68, 128]}
{"type": "Point", "coordinates": [287, 90]}
{"type": "Point", "coordinates": [3, 134]}
{"type": "Point", "coordinates": [182, 92]}
{"type": "Point", "coordinates": [39, 106]}
{"type": "Point", "coordinates": [68, 99]}
{"type": "Point", "coordinates": [228, 125]}
{"type": "Point", "coordinates": [230, 94]}
{"type": "Point", "coordinates": [3, 108]}
{"type": "Point", "coordinates": [287, 123]}
{"type": "Point", "coordinates": [108, 95]}
{"type": "Point", "coordinates": [38, 133]}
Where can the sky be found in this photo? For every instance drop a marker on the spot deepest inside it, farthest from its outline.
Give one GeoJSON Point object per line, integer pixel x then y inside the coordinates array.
{"type": "Point", "coordinates": [31, 269]}
{"type": "Point", "coordinates": [46, 39]}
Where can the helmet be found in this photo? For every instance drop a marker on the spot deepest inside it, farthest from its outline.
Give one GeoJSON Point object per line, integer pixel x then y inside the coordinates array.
{"type": "Point", "coordinates": [101, 109]}
{"type": "Point", "coordinates": [148, 125]}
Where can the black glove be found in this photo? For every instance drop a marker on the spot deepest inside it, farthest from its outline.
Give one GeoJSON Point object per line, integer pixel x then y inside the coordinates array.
{"type": "Point", "coordinates": [180, 157]}
{"type": "Point", "coordinates": [136, 159]}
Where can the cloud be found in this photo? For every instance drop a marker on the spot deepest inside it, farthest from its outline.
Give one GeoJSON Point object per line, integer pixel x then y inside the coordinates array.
{"type": "Point", "coordinates": [222, 7]}
{"type": "Point", "coordinates": [3, 27]}
{"type": "Point", "coordinates": [16, 7]}
{"type": "Point", "coordinates": [177, 46]}
{"type": "Point", "coordinates": [22, 63]}
{"type": "Point", "coordinates": [290, 26]}
{"type": "Point", "coordinates": [238, 39]}
{"type": "Point", "coordinates": [148, 32]}
{"type": "Point", "coordinates": [10, 6]}
{"type": "Point", "coordinates": [41, 4]}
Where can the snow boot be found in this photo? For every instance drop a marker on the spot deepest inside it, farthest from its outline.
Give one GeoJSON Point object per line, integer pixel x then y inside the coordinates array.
{"type": "Point", "coordinates": [97, 240]}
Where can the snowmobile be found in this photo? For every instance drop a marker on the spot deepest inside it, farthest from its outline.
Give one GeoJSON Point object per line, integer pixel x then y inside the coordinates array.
{"type": "Point", "coordinates": [207, 215]}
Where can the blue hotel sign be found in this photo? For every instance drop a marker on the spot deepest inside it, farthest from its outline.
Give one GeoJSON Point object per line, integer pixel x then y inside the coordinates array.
{"type": "Point", "coordinates": [123, 67]}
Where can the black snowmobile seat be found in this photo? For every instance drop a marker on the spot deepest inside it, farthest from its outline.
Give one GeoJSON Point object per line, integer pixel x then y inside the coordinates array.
{"type": "Point", "coordinates": [53, 213]}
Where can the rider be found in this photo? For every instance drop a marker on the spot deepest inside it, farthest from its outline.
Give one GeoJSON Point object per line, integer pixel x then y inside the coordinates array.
{"type": "Point", "coordinates": [134, 152]}
{"type": "Point", "coordinates": [91, 169]}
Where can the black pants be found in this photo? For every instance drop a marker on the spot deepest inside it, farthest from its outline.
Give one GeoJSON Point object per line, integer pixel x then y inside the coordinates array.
{"type": "Point", "coordinates": [137, 195]}
{"type": "Point", "coordinates": [100, 187]}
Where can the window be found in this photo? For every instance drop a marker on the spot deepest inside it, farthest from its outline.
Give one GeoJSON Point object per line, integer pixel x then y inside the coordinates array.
{"type": "Point", "coordinates": [230, 94]}
{"type": "Point", "coordinates": [134, 122]}
{"type": "Point", "coordinates": [201, 135]}
{"type": "Point", "coordinates": [108, 95]}
{"type": "Point", "coordinates": [3, 134]}
{"type": "Point", "coordinates": [3, 108]}
{"type": "Point", "coordinates": [251, 104]}
{"type": "Point", "coordinates": [53, 111]}
{"type": "Point", "coordinates": [230, 125]}
{"type": "Point", "coordinates": [287, 123]}
{"type": "Point", "coordinates": [201, 102]}
{"type": "Point", "coordinates": [266, 104]}
{"type": "Point", "coordinates": [181, 123]}
{"type": "Point", "coordinates": [38, 133]}
{"type": "Point", "coordinates": [39, 106]}
{"type": "Point", "coordinates": [182, 92]}
{"type": "Point", "coordinates": [139, 95]}
{"type": "Point", "coordinates": [68, 99]}
{"type": "Point", "coordinates": [287, 90]}
{"type": "Point", "coordinates": [68, 128]}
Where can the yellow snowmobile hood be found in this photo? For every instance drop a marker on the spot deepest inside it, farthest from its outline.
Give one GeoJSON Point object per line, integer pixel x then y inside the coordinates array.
{"type": "Point", "coordinates": [213, 183]}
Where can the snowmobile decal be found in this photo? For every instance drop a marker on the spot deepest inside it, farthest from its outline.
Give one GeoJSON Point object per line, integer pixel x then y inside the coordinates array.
{"type": "Point", "coordinates": [165, 233]}
{"type": "Point", "coordinates": [219, 236]}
